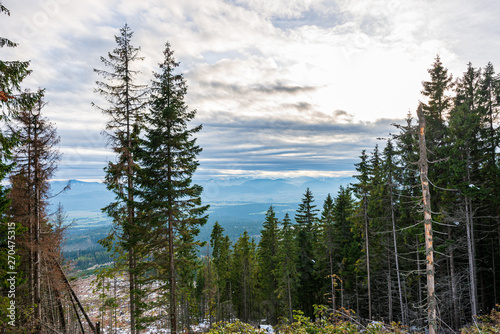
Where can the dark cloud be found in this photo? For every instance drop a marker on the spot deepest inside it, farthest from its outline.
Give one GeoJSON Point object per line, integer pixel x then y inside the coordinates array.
{"type": "Point", "coordinates": [261, 145]}
{"type": "Point", "coordinates": [339, 113]}
{"type": "Point", "coordinates": [300, 106]}
{"type": "Point", "coordinates": [268, 89]}
{"type": "Point", "coordinates": [311, 123]}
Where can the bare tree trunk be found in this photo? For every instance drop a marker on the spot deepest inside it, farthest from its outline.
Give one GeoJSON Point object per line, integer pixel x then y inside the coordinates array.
{"type": "Point", "coordinates": [60, 310]}
{"type": "Point", "coordinates": [173, 301]}
{"type": "Point", "coordinates": [494, 272]}
{"type": "Point", "coordinates": [470, 252]}
{"type": "Point", "coordinates": [332, 282]}
{"type": "Point", "coordinates": [429, 250]}
{"type": "Point", "coordinates": [396, 256]}
{"type": "Point", "coordinates": [130, 197]}
{"type": "Point", "coordinates": [245, 292]}
{"type": "Point", "coordinates": [342, 293]}
{"type": "Point", "coordinates": [290, 299]}
{"type": "Point", "coordinates": [420, 317]}
{"type": "Point", "coordinates": [171, 217]}
{"type": "Point", "coordinates": [367, 246]}
{"type": "Point", "coordinates": [389, 286]}
{"type": "Point", "coordinates": [218, 296]}
{"type": "Point", "coordinates": [357, 296]}
{"type": "Point", "coordinates": [37, 271]}
{"type": "Point", "coordinates": [75, 297]}
{"type": "Point", "coordinates": [453, 282]}
{"type": "Point", "coordinates": [231, 299]}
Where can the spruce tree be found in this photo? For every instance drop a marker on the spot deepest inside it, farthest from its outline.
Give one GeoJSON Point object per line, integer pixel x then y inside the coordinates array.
{"type": "Point", "coordinates": [489, 100]}
{"type": "Point", "coordinates": [465, 160]}
{"type": "Point", "coordinates": [169, 199]}
{"type": "Point", "coordinates": [286, 271]}
{"type": "Point", "coordinates": [326, 249]}
{"type": "Point", "coordinates": [306, 218]}
{"type": "Point", "coordinates": [362, 192]}
{"type": "Point", "coordinates": [126, 101]}
{"type": "Point", "coordinates": [12, 74]}
{"type": "Point", "coordinates": [306, 215]}
{"type": "Point", "coordinates": [436, 90]}
{"type": "Point", "coordinates": [267, 262]}
{"type": "Point", "coordinates": [221, 255]}
{"type": "Point", "coordinates": [391, 176]}
{"type": "Point", "coordinates": [244, 277]}
{"type": "Point", "coordinates": [347, 247]}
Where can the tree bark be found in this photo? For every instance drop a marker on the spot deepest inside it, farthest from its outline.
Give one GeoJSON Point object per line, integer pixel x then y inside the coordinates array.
{"type": "Point", "coordinates": [130, 197]}
{"type": "Point", "coordinates": [332, 281]}
{"type": "Point", "coordinates": [456, 316]}
{"type": "Point", "coordinates": [429, 250]}
{"type": "Point", "coordinates": [290, 299]}
{"type": "Point", "coordinates": [367, 246]}
{"type": "Point", "coordinates": [470, 252]}
{"type": "Point", "coordinates": [37, 204]}
{"type": "Point", "coordinates": [75, 297]}
{"type": "Point", "coordinates": [389, 286]}
{"type": "Point", "coordinates": [396, 257]}
{"type": "Point", "coordinates": [173, 301]}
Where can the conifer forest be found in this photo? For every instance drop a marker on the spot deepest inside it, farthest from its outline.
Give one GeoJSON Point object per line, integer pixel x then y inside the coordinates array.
{"type": "Point", "coordinates": [412, 245]}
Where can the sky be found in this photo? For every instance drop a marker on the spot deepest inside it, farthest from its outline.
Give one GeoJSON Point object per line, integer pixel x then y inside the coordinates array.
{"type": "Point", "coordinates": [283, 88]}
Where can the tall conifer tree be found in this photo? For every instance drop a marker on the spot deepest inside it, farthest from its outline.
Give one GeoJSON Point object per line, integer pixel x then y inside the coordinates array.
{"type": "Point", "coordinates": [168, 159]}
{"type": "Point", "coordinates": [362, 191]}
{"type": "Point", "coordinates": [221, 255]}
{"type": "Point", "coordinates": [306, 218]}
{"type": "Point", "coordinates": [126, 101]}
{"type": "Point", "coordinates": [326, 248]}
{"type": "Point", "coordinates": [244, 277]}
{"type": "Point", "coordinates": [287, 270]}
{"type": "Point", "coordinates": [347, 247]}
{"type": "Point", "coordinates": [268, 261]}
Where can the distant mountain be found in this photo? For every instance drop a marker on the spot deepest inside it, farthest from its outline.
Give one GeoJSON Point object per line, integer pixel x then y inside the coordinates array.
{"type": "Point", "coordinates": [82, 196]}
{"type": "Point", "coordinates": [289, 190]}
{"type": "Point", "coordinates": [238, 204]}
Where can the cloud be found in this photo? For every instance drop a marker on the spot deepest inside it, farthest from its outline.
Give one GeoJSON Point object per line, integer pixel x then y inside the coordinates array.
{"type": "Point", "coordinates": [279, 85]}
{"type": "Point", "coordinates": [256, 146]}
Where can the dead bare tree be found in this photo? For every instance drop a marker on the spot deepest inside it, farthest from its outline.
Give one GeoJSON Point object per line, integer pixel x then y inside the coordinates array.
{"type": "Point", "coordinates": [426, 198]}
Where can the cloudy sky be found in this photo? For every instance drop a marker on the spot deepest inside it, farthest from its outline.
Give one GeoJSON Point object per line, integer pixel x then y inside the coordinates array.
{"type": "Point", "coordinates": [283, 87]}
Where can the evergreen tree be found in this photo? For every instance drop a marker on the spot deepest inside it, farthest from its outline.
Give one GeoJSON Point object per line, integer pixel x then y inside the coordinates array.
{"type": "Point", "coordinates": [362, 192]}
{"type": "Point", "coordinates": [465, 159]}
{"type": "Point", "coordinates": [244, 278]}
{"type": "Point", "coordinates": [489, 100]}
{"type": "Point", "coordinates": [126, 101]}
{"type": "Point", "coordinates": [325, 251]}
{"type": "Point", "coordinates": [347, 248]}
{"type": "Point", "coordinates": [391, 176]}
{"type": "Point", "coordinates": [407, 180]}
{"type": "Point", "coordinates": [167, 157]}
{"type": "Point", "coordinates": [436, 90]}
{"type": "Point", "coordinates": [306, 218]}
{"type": "Point", "coordinates": [286, 271]}
{"type": "Point", "coordinates": [436, 110]}
{"type": "Point", "coordinates": [267, 263]}
{"type": "Point", "coordinates": [221, 255]}
{"type": "Point", "coordinates": [306, 213]}
{"type": "Point", "coordinates": [12, 73]}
